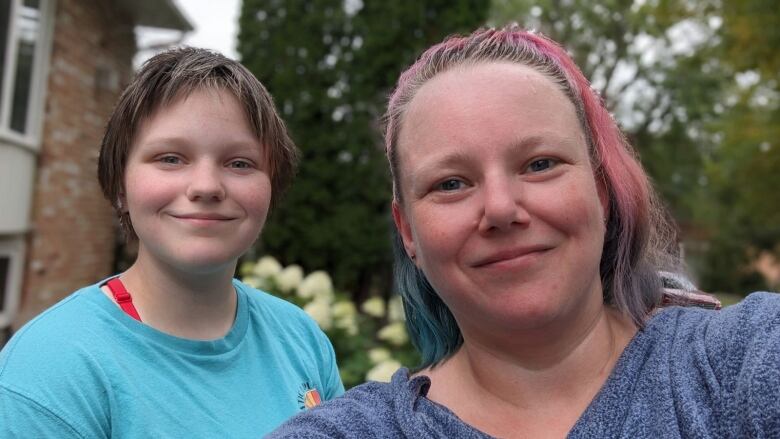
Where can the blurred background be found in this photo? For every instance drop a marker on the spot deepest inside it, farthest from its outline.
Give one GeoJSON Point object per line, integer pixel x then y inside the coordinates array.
{"type": "Point", "coordinates": [694, 84]}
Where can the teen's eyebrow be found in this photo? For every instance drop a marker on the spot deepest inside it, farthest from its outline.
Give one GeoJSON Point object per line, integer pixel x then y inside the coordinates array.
{"type": "Point", "coordinates": [244, 142]}
{"type": "Point", "coordinates": [164, 141]}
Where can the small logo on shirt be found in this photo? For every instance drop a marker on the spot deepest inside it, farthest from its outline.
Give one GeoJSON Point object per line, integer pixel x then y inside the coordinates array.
{"type": "Point", "coordinates": [308, 396]}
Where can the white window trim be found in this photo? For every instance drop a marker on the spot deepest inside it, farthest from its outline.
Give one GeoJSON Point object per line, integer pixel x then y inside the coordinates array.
{"type": "Point", "coordinates": [32, 138]}
{"type": "Point", "coordinates": [14, 248]}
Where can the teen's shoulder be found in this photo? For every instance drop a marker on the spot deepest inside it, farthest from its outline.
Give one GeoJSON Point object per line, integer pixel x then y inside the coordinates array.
{"type": "Point", "coordinates": [267, 304]}
{"type": "Point", "coordinates": [52, 337]}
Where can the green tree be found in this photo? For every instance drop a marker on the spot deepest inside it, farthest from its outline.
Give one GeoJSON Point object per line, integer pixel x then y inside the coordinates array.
{"type": "Point", "coordinates": [741, 207]}
{"type": "Point", "coordinates": [330, 65]}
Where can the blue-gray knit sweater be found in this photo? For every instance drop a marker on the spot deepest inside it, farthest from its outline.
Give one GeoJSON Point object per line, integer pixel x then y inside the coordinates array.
{"type": "Point", "coordinates": [689, 373]}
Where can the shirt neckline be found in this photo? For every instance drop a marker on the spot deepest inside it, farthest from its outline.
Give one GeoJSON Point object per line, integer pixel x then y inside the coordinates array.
{"type": "Point", "coordinates": [195, 347]}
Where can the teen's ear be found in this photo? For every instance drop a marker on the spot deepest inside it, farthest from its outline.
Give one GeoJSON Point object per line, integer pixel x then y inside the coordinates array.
{"type": "Point", "coordinates": [121, 202]}
{"type": "Point", "coordinates": [402, 224]}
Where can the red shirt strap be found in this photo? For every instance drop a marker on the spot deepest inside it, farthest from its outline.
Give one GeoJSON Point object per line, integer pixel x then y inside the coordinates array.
{"type": "Point", "coordinates": [122, 297]}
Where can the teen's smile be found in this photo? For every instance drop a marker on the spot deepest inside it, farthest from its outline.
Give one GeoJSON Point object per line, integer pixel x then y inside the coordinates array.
{"type": "Point", "coordinates": [204, 219]}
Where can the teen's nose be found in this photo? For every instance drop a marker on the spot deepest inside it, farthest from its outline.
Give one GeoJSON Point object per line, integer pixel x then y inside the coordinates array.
{"type": "Point", "coordinates": [206, 183]}
{"type": "Point", "coordinates": [502, 204]}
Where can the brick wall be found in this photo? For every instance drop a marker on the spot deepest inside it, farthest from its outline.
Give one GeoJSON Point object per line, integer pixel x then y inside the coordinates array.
{"type": "Point", "coordinates": [73, 235]}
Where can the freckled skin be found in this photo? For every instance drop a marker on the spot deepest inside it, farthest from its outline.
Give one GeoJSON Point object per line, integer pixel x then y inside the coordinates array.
{"type": "Point", "coordinates": [493, 160]}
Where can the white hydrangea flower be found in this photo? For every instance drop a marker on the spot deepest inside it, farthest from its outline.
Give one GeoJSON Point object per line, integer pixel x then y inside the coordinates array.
{"type": "Point", "coordinates": [316, 284]}
{"type": "Point", "coordinates": [351, 326]}
{"type": "Point", "coordinates": [289, 278]}
{"type": "Point", "coordinates": [320, 311]}
{"type": "Point", "coordinates": [395, 309]}
{"type": "Point", "coordinates": [255, 282]}
{"type": "Point", "coordinates": [267, 267]}
{"type": "Point", "coordinates": [378, 355]}
{"type": "Point", "coordinates": [324, 294]}
{"type": "Point", "coordinates": [394, 333]}
{"type": "Point", "coordinates": [246, 268]}
{"type": "Point", "coordinates": [347, 323]}
{"type": "Point", "coordinates": [374, 307]}
{"type": "Point", "coordinates": [383, 371]}
{"type": "Point", "coordinates": [344, 316]}
{"type": "Point", "coordinates": [344, 309]}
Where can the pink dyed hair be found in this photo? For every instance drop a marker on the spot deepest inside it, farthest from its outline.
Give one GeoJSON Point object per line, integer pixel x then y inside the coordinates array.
{"type": "Point", "coordinates": [639, 239]}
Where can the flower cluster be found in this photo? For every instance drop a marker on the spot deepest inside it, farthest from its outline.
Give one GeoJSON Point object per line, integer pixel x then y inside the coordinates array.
{"type": "Point", "coordinates": [370, 340]}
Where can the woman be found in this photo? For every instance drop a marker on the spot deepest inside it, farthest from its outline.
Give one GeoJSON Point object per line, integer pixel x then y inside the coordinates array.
{"type": "Point", "coordinates": [193, 156]}
{"type": "Point", "coordinates": [528, 260]}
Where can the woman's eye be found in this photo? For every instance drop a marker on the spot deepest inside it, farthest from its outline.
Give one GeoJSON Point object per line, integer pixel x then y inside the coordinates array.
{"type": "Point", "coordinates": [541, 165]}
{"type": "Point", "coordinates": [449, 185]}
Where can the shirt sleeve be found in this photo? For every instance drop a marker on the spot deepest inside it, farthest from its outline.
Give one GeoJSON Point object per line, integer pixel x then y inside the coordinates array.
{"type": "Point", "coordinates": [331, 377]}
{"type": "Point", "coordinates": [21, 416]}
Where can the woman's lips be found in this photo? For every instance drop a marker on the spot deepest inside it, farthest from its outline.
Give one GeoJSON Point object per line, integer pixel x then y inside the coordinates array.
{"type": "Point", "coordinates": [510, 256]}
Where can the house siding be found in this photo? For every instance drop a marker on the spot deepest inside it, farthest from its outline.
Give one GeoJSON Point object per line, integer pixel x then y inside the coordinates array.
{"type": "Point", "coordinates": [73, 230]}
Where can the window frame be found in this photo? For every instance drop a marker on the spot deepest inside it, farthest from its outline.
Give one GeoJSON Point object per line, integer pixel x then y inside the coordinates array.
{"type": "Point", "coordinates": [13, 247]}
{"type": "Point", "coordinates": [31, 138]}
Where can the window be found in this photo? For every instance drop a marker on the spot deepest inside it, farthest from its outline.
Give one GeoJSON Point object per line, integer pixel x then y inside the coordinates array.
{"type": "Point", "coordinates": [11, 259]}
{"type": "Point", "coordinates": [25, 42]}
{"type": "Point", "coordinates": [24, 50]}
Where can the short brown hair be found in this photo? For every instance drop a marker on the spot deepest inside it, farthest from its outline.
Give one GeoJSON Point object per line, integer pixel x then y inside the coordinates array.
{"type": "Point", "coordinates": [177, 73]}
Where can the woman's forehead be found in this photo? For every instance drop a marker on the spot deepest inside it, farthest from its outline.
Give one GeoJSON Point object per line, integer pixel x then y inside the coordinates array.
{"type": "Point", "coordinates": [487, 101]}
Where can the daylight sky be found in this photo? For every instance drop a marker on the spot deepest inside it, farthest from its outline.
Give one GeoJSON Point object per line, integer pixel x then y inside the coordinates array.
{"type": "Point", "coordinates": [215, 23]}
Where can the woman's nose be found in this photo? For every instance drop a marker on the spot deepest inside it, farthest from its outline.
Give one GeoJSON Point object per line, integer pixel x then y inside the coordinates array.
{"type": "Point", "coordinates": [502, 205]}
{"type": "Point", "coordinates": [206, 183]}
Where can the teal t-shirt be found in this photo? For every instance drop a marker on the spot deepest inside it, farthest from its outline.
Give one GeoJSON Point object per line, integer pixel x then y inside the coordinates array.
{"type": "Point", "coordinates": [85, 369]}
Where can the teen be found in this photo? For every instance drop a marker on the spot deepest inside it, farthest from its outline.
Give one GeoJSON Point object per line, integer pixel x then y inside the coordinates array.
{"type": "Point", "coordinates": [193, 156]}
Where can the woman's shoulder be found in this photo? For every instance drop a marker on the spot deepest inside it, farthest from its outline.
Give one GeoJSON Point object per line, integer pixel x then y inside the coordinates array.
{"type": "Point", "coordinates": [736, 342]}
{"type": "Point", "coordinates": [755, 314]}
{"type": "Point", "coordinates": [743, 335]}
{"type": "Point", "coordinates": [737, 327]}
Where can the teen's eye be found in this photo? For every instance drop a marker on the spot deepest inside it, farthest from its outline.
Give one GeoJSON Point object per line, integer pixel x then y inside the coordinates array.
{"type": "Point", "coordinates": [169, 160]}
{"type": "Point", "coordinates": [542, 165]}
{"type": "Point", "coordinates": [449, 185]}
{"type": "Point", "coordinates": [240, 164]}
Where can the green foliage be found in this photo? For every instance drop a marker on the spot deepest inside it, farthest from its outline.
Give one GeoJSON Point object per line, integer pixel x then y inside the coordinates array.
{"type": "Point", "coordinates": [742, 208]}
{"type": "Point", "coordinates": [330, 69]}
{"type": "Point", "coordinates": [669, 71]}
{"type": "Point", "coordinates": [370, 341]}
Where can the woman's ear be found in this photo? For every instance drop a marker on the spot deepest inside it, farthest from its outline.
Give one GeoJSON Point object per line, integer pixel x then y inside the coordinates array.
{"type": "Point", "coordinates": [603, 193]}
{"type": "Point", "coordinates": [404, 229]}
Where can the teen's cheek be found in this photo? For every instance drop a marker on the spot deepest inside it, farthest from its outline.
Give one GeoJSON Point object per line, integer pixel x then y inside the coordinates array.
{"type": "Point", "coordinates": [257, 199]}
